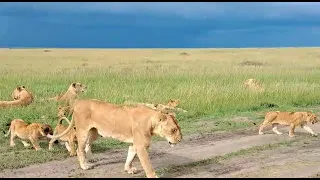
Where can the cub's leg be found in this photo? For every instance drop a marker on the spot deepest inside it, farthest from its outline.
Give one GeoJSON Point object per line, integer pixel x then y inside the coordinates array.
{"type": "Point", "coordinates": [13, 135]}
{"type": "Point", "coordinates": [308, 129]}
{"type": "Point", "coordinates": [25, 144]}
{"type": "Point", "coordinates": [275, 128]}
{"type": "Point", "coordinates": [72, 148]}
{"type": "Point", "coordinates": [128, 165]}
{"type": "Point", "coordinates": [291, 131]}
{"type": "Point", "coordinates": [35, 143]}
{"type": "Point", "coordinates": [67, 146]}
{"type": "Point", "coordinates": [263, 125]}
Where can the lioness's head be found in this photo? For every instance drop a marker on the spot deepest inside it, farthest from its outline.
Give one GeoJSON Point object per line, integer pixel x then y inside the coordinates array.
{"type": "Point", "coordinates": [16, 92]}
{"type": "Point", "coordinates": [77, 87]}
{"type": "Point", "coordinates": [166, 125]}
{"type": "Point", "coordinates": [312, 118]}
{"type": "Point", "coordinates": [173, 102]}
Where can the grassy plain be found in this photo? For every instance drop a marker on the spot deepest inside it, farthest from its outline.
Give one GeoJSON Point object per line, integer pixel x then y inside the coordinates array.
{"type": "Point", "coordinates": [208, 82]}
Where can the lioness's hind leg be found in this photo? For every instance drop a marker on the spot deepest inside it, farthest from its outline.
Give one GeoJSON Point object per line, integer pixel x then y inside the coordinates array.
{"type": "Point", "coordinates": [275, 128]}
{"type": "Point", "coordinates": [82, 137]}
{"type": "Point", "coordinates": [128, 165]}
{"type": "Point", "coordinates": [92, 136]}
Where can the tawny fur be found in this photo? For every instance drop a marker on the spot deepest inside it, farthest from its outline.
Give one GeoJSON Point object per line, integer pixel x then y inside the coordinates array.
{"type": "Point", "coordinates": [134, 125]}
{"type": "Point", "coordinates": [292, 119]}
{"type": "Point", "coordinates": [32, 132]}
{"type": "Point", "coordinates": [69, 139]}
{"type": "Point", "coordinates": [21, 96]}
{"type": "Point", "coordinates": [253, 85]}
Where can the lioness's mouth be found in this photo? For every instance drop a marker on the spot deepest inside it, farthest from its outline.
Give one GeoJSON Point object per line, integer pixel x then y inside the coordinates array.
{"type": "Point", "coordinates": [172, 144]}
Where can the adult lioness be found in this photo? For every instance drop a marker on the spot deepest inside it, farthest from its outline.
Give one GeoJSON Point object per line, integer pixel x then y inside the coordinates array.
{"type": "Point", "coordinates": [133, 125]}
{"type": "Point", "coordinates": [289, 118]}
{"type": "Point", "coordinates": [33, 132]}
{"type": "Point", "coordinates": [21, 96]}
{"type": "Point", "coordinates": [72, 93]}
{"type": "Point", "coordinates": [69, 138]}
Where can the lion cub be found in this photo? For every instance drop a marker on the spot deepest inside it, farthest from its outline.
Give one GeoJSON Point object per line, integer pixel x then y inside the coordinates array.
{"type": "Point", "coordinates": [69, 139]}
{"type": "Point", "coordinates": [293, 119]}
{"type": "Point", "coordinates": [33, 132]}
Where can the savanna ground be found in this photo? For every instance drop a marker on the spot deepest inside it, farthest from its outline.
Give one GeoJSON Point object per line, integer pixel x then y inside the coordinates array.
{"type": "Point", "coordinates": [220, 127]}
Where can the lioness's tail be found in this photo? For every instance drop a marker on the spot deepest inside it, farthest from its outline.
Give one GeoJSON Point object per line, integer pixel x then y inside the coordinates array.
{"type": "Point", "coordinates": [54, 138]}
{"type": "Point", "coordinates": [63, 118]}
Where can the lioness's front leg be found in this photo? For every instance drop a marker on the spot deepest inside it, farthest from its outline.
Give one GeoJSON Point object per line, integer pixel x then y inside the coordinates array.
{"type": "Point", "coordinates": [308, 129]}
{"type": "Point", "coordinates": [128, 166]}
{"type": "Point", "coordinates": [145, 161]}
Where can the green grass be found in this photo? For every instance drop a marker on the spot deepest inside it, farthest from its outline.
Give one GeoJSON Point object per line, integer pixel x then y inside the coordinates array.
{"type": "Point", "coordinates": [208, 83]}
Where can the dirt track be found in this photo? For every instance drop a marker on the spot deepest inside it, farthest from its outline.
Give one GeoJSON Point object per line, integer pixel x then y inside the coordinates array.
{"type": "Point", "coordinates": [301, 159]}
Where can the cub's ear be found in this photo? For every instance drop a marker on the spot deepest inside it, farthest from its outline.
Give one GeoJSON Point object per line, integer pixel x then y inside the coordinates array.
{"type": "Point", "coordinates": [161, 117]}
{"type": "Point", "coordinates": [23, 87]}
{"type": "Point", "coordinates": [74, 84]}
{"type": "Point", "coordinates": [18, 88]}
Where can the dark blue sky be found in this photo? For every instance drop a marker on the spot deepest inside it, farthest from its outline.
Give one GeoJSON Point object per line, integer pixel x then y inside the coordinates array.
{"type": "Point", "coordinates": [159, 25]}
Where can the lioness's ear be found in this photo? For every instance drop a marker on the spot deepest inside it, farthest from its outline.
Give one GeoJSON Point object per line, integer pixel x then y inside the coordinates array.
{"type": "Point", "coordinates": [74, 84]}
{"type": "Point", "coordinates": [172, 114]}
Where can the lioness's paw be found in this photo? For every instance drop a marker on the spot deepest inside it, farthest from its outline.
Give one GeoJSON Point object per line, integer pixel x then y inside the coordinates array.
{"type": "Point", "coordinates": [132, 170]}
{"type": "Point", "coordinates": [86, 166]}
{"type": "Point", "coordinates": [260, 133]}
{"type": "Point", "coordinates": [314, 134]}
